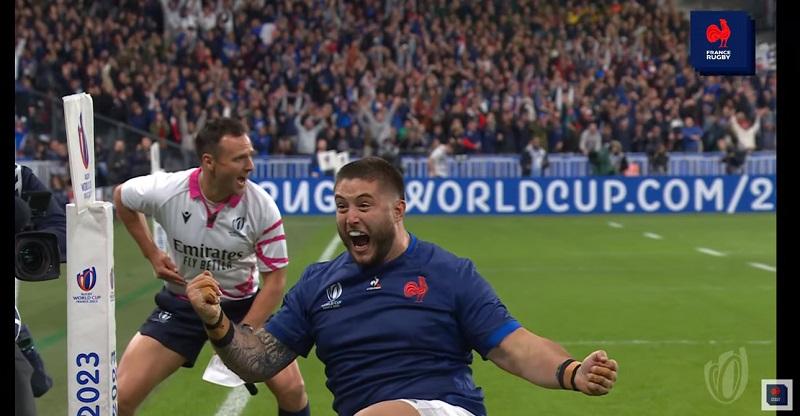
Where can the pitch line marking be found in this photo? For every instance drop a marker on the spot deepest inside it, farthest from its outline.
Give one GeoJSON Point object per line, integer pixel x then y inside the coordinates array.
{"type": "Point", "coordinates": [710, 252]}
{"type": "Point", "coordinates": [665, 342]}
{"type": "Point", "coordinates": [654, 236]}
{"type": "Point", "coordinates": [763, 267]}
{"type": "Point", "coordinates": [235, 402]}
{"type": "Point", "coordinates": [613, 224]}
{"type": "Point", "coordinates": [327, 254]}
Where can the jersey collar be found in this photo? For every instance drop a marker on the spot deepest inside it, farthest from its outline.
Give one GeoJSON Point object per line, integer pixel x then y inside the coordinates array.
{"type": "Point", "coordinates": [194, 190]}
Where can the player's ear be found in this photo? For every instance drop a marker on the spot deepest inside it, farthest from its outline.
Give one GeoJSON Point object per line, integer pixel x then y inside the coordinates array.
{"type": "Point", "coordinates": [206, 160]}
{"type": "Point", "coordinates": [399, 210]}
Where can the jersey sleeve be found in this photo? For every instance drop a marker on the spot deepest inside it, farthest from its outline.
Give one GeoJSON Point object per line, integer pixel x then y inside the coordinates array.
{"type": "Point", "coordinates": [290, 324]}
{"type": "Point", "coordinates": [271, 247]}
{"type": "Point", "coordinates": [482, 317]}
{"type": "Point", "coordinates": [142, 193]}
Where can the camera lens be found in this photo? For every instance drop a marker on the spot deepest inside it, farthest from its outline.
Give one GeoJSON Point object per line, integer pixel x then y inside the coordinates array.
{"type": "Point", "coordinates": [33, 258]}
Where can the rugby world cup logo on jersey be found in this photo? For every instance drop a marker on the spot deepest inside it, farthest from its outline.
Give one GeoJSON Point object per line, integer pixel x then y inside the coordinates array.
{"type": "Point", "coordinates": [238, 223]}
{"type": "Point", "coordinates": [334, 292]}
{"type": "Point", "coordinates": [84, 145]}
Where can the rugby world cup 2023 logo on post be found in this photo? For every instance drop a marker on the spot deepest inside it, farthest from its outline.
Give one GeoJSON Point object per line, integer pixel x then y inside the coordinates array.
{"type": "Point", "coordinates": [86, 280]}
{"type": "Point", "coordinates": [83, 143]}
{"type": "Point", "coordinates": [726, 378]}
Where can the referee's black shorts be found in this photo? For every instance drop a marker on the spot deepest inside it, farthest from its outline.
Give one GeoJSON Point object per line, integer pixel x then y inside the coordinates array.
{"type": "Point", "coordinates": [175, 324]}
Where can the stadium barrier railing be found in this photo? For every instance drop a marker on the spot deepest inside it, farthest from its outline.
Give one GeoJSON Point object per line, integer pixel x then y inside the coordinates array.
{"type": "Point", "coordinates": [496, 166]}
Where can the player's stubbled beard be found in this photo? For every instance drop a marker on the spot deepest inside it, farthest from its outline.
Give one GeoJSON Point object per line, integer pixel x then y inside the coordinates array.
{"type": "Point", "coordinates": [381, 238]}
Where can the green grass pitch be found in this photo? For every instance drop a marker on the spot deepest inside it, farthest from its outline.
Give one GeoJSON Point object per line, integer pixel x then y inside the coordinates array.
{"type": "Point", "coordinates": [636, 286]}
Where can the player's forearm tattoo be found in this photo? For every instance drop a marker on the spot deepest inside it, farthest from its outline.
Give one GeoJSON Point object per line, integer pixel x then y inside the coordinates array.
{"type": "Point", "coordinates": [255, 355]}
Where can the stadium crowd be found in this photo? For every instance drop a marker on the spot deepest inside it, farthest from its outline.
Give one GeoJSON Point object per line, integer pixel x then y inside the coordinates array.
{"type": "Point", "coordinates": [383, 78]}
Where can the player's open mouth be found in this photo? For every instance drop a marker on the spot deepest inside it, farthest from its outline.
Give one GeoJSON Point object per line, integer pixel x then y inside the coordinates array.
{"type": "Point", "coordinates": [241, 180]}
{"type": "Point", "coordinates": [359, 239]}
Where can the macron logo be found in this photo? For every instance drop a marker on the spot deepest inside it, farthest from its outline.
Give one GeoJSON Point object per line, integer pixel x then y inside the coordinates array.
{"type": "Point", "coordinates": [186, 215]}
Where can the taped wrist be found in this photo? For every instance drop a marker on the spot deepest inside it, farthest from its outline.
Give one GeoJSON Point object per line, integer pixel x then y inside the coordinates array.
{"type": "Point", "coordinates": [226, 339]}
{"type": "Point", "coordinates": [572, 379]}
{"type": "Point", "coordinates": [560, 372]}
{"type": "Point", "coordinates": [217, 324]}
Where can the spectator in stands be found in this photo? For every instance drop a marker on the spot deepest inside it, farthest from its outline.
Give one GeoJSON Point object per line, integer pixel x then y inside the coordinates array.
{"type": "Point", "coordinates": [619, 161]}
{"type": "Point", "coordinates": [307, 132]}
{"type": "Point", "coordinates": [745, 131]}
{"type": "Point", "coordinates": [58, 189]}
{"type": "Point", "coordinates": [355, 140]}
{"type": "Point", "coordinates": [471, 139]}
{"type": "Point", "coordinates": [768, 135]}
{"type": "Point", "coordinates": [600, 161]}
{"type": "Point", "coordinates": [140, 162]}
{"type": "Point", "coordinates": [691, 137]}
{"type": "Point", "coordinates": [414, 143]}
{"type": "Point", "coordinates": [20, 135]}
{"type": "Point", "coordinates": [316, 166]}
{"type": "Point", "coordinates": [534, 158]}
{"type": "Point", "coordinates": [119, 164]}
{"type": "Point", "coordinates": [658, 159]}
{"type": "Point", "coordinates": [390, 151]}
{"type": "Point", "coordinates": [591, 139]}
{"type": "Point", "coordinates": [437, 161]}
{"type": "Point", "coordinates": [556, 77]}
{"type": "Point", "coordinates": [734, 157]}
{"type": "Point", "coordinates": [377, 125]}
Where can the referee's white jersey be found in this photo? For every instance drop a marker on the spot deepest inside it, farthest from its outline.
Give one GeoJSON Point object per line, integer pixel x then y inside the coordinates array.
{"type": "Point", "coordinates": [234, 240]}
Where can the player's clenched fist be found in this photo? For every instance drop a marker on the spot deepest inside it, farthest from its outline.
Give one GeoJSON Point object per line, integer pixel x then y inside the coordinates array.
{"type": "Point", "coordinates": [204, 294]}
{"type": "Point", "coordinates": [597, 374]}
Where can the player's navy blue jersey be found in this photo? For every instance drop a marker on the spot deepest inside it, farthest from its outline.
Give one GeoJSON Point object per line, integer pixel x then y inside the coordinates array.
{"type": "Point", "coordinates": [404, 329]}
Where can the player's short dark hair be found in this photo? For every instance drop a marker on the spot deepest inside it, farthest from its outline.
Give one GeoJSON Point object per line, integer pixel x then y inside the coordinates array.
{"type": "Point", "coordinates": [372, 169]}
{"type": "Point", "coordinates": [213, 131]}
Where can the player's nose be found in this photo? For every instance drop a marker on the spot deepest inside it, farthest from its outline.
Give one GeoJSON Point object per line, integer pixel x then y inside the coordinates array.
{"type": "Point", "coordinates": [352, 217]}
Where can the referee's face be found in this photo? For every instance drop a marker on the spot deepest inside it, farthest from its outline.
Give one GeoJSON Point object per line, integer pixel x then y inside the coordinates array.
{"type": "Point", "coordinates": [232, 165]}
{"type": "Point", "coordinates": [364, 220]}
